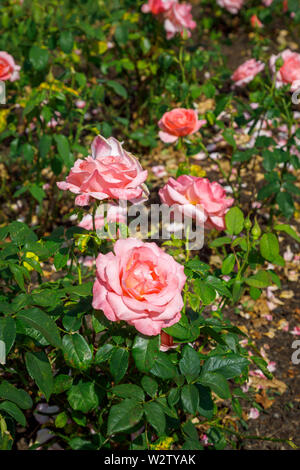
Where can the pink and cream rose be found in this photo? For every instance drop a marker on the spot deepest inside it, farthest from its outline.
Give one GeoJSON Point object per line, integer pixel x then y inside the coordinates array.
{"type": "Point", "coordinates": [289, 73]}
{"type": "Point", "coordinates": [179, 122]}
{"type": "Point", "coordinates": [233, 6]}
{"type": "Point", "coordinates": [197, 198]}
{"type": "Point", "coordinates": [178, 19]}
{"type": "Point", "coordinates": [140, 284]}
{"type": "Point", "coordinates": [110, 173]}
{"type": "Point", "coordinates": [157, 7]}
{"type": "Point", "coordinates": [247, 71]}
{"type": "Point", "coordinates": [8, 68]}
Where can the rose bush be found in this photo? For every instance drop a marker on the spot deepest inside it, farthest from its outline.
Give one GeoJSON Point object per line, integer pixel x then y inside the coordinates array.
{"type": "Point", "coordinates": [110, 342]}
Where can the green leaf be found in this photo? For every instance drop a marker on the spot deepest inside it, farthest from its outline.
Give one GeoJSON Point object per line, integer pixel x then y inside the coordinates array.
{"type": "Point", "coordinates": [62, 382]}
{"type": "Point", "coordinates": [155, 416]}
{"type": "Point", "coordinates": [124, 416]}
{"type": "Point", "coordinates": [234, 219]}
{"type": "Point", "coordinates": [37, 192]}
{"type": "Point", "coordinates": [269, 246]}
{"type": "Point", "coordinates": [163, 367]}
{"type": "Point", "coordinates": [216, 382]}
{"type": "Point", "coordinates": [149, 385]}
{"type": "Point", "coordinates": [206, 404]}
{"type": "Point", "coordinates": [61, 420]}
{"type": "Point", "coordinates": [129, 391]}
{"type": "Point", "coordinates": [206, 293]}
{"type": "Point", "coordinates": [7, 332]}
{"type": "Point", "coordinates": [38, 57]}
{"type": "Point", "coordinates": [220, 242]}
{"type": "Point", "coordinates": [121, 34]}
{"type": "Point", "coordinates": [259, 280]}
{"type": "Point", "coordinates": [183, 331]}
{"type": "Point", "coordinates": [18, 273]}
{"type": "Point", "coordinates": [63, 148]}
{"type": "Point", "coordinates": [189, 364]}
{"type": "Point", "coordinates": [230, 366]}
{"type": "Point", "coordinates": [82, 397]}
{"type": "Point", "coordinates": [11, 393]}
{"type": "Point", "coordinates": [229, 137]}
{"type": "Point", "coordinates": [219, 285]}
{"type": "Point", "coordinates": [39, 370]}
{"type": "Point", "coordinates": [45, 145]}
{"type": "Point", "coordinates": [76, 351]}
{"type": "Point", "coordinates": [66, 41]}
{"type": "Point", "coordinates": [145, 351]}
{"type": "Point", "coordinates": [14, 411]}
{"type": "Point", "coordinates": [104, 353]}
{"type": "Point", "coordinates": [118, 88]}
{"type": "Point", "coordinates": [268, 190]}
{"type": "Point", "coordinates": [262, 364]}
{"type": "Point", "coordinates": [190, 398]}
{"type": "Point", "coordinates": [39, 320]}
{"type": "Point", "coordinates": [286, 204]}
{"type": "Point", "coordinates": [228, 264]}
{"type": "Point", "coordinates": [119, 364]}
{"type": "Point", "coordinates": [287, 229]}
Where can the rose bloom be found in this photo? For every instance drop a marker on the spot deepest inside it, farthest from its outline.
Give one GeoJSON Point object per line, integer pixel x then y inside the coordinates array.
{"type": "Point", "coordinates": [110, 173]}
{"type": "Point", "coordinates": [8, 69]}
{"type": "Point", "coordinates": [178, 19]}
{"type": "Point", "coordinates": [140, 284]}
{"type": "Point", "coordinates": [233, 6]}
{"type": "Point", "coordinates": [255, 22]}
{"type": "Point", "coordinates": [178, 123]}
{"type": "Point", "coordinates": [80, 104]}
{"type": "Point", "coordinates": [247, 71]}
{"type": "Point", "coordinates": [267, 3]}
{"type": "Point", "coordinates": [197, 198]}
{"type": "Point", "coordinates": [157, 6]}
{"type": "Point", "coordinates": [115, 214]}
{"type": "Point", "coordinates": [289, 73]}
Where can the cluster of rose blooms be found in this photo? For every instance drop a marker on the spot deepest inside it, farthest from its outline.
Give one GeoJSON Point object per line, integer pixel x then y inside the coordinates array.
{"type": "Point", "coordinates": [139, 283]}
{"type": "Point", "coordinates": [176, 17]}
{"type": "Point", "coordinates": [287, 74]}
{"type": "Point", "coordinates": [234, 6]}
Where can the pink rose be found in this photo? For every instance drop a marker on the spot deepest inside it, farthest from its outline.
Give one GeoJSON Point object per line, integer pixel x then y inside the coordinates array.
{"type": "Point", "coordinates": [178, 123]}
{"type": "Point", "coordinates": [8, 69]}
{"type": "Point", "coordinates": [80, 104]}
{"type": "Point", "coordinates": [140, 284]}
{"type": "Point", "coordinates": [110, 173]}
{"type": "Point", "coordinates": [157, 6]}
{"type": "Point", "coordinates": [114, 214]}
{"type": "Point", "coordinates": [197, 198]}
{"type": "Point", "coordinates": [233, 6]}
{"type": "Point", "coordinates": [247, 71]}
{"type": "Point", "coordinates": [289, 73]}
{"type": "Point", "coordinates": [255, 22]}
{"type": "Point", "coordinates": [178, 19]}
{"type": "Point", "coordinates": [267, 3]}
